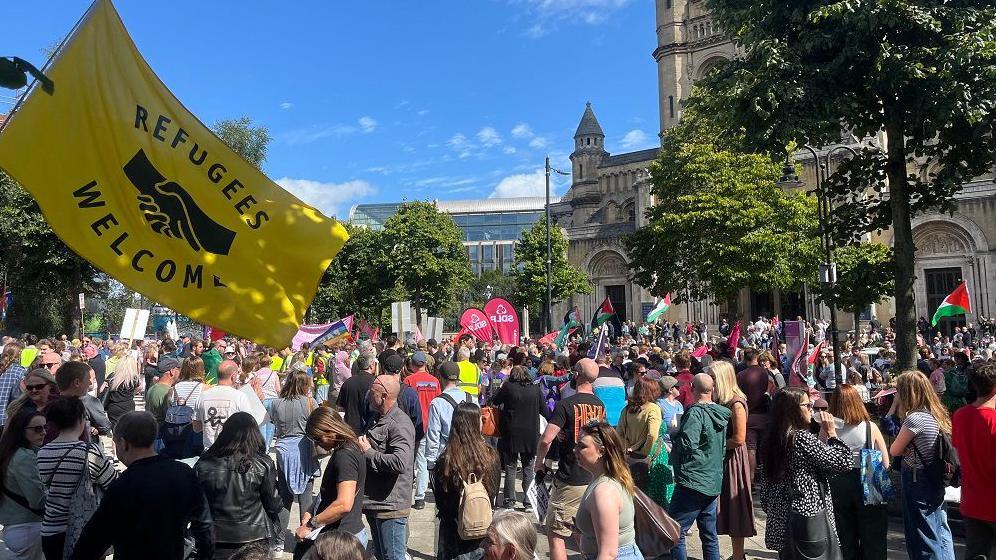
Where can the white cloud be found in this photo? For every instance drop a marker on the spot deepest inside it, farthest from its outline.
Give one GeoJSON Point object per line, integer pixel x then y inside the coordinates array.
{"type": "Point", "coordinates": [522, 130]}
{"type": "Point", "coordinates": [457, 141]}
{"type": "Point", "coordinates": [315, 132]}
{"type": "Point", "coordinates": [368, 124]}
{"type": "Point", "coordinates": [327, 197]}
{"type": "Point", "coordinates": [539, 143]}
{"type": "Point", "coordinates": [523, 184]}
{"type": "Point", "coordinates": [509, 150]}
{"type": "Point", "coordinates": [489, 137]}
{"type": "Point", "coordinates": [550, 12]}
{"type": "Point", "coordinates": [286, 105]}
{"type": "Point", "coordinates": [423, 112]}
{"type": "Point", "coordinates": [636, 139]}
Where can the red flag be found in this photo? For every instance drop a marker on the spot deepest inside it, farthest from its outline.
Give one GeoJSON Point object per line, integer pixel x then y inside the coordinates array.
{"type": "Point", "coordinates": [733, 340]}
{"type": "Point", "coordinates": [816, 352]}
{"type": "Point", "coordinates": [700, 351]}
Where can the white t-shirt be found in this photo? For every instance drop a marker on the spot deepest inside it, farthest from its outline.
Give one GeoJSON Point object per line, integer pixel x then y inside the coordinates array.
{"type": "Point", "coordinates": [216, 406]}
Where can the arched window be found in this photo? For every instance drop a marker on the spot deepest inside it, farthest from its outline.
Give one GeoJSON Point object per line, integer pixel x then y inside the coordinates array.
{"type": "Point", "coordinates": [670, 102]}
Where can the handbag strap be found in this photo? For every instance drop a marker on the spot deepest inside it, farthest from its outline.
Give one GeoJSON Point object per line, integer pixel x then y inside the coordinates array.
{"type": "Point", "coordinates": [868, 435]}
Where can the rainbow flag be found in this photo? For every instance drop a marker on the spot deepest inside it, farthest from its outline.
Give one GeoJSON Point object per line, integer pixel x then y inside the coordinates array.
{"type": "Point", "coordinates": [336, 331]}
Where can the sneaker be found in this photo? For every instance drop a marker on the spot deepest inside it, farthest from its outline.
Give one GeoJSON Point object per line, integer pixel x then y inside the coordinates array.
{"type": "Point", "coordinates": [419, 504]}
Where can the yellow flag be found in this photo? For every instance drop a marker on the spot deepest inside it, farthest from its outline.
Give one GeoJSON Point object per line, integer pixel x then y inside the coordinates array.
{"type": "Point", "coordinates": [134, 183]}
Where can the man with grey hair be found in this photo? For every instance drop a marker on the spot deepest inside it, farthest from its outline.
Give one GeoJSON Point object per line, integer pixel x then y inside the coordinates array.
{"type": "Point", "coordinates": [352, 400]}
{"type": "Point", "coordinates": [470, 374]}
{"type": "Point", "coordinates": [697, 458]}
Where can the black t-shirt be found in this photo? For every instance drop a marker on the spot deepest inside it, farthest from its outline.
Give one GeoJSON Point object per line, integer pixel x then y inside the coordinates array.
{"type": "Point", "coordinates": [570, 415]}
{"type": "Point", "coordinates": [353, 400]}
{"type": "Point", "coordinates": [347, 463]}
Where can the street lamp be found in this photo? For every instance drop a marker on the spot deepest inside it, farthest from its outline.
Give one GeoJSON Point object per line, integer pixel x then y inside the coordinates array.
{"type": "Point", "coordinates": [828, 270]}
{"type": "Point", "coordinates": [549, 250]}
{"type": "Point", "coordinates": [14, 74]}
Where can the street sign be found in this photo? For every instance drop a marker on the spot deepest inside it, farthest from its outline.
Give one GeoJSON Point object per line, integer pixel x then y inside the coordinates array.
{"type": "Point", "coordinates": [82, 305]}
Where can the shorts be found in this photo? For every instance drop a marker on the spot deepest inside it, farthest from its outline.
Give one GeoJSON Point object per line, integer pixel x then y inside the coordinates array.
{"type": "Point", "coordinates": [564, 502]}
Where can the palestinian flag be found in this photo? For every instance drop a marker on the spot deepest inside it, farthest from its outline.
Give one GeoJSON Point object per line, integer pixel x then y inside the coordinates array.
{"type": "Point", "coordinates": [571, 321]}
{"type": "Point", "coordinates": [603, 313]}
{"type": "Point", "coordinates": [956, 303]}
{"type": "Point", "coordinates": [662, 306]}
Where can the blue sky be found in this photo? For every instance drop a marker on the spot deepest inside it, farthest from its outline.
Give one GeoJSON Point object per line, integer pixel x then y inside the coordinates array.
{"type": "Point", "coordinates": [380, 101]}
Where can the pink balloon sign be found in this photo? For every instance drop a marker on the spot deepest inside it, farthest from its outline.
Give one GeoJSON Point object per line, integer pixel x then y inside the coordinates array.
{"type": "Point", "coordinates": [504, 320]}
{"type": "Point", "coordinates": [476, 323]}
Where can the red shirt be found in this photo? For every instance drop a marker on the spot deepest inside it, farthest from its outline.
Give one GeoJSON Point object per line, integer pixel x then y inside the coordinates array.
{"type": "Point", "coordinates": [685, 395]}
{"type": "Point", "coordinates": [428, 388]}
{"type": "Point", "coordinates": [974, 436]}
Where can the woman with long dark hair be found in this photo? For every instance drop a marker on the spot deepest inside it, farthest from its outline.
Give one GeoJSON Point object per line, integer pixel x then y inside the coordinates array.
{"type": "Point", "coordinates": [466, 458]}
{"type": "Point", "coordinates": [296, 465]}
{"type": "Point", "coordinates": [925, 418]}
{"type": "Point", "coordinates": [605, 517]}
{"type": "Point", "coordinates": [522, 404]}
{"type": "Point", "coordinates": [640, 421]}
{"type": "Point", "coordinates": [340, 504]}
{"type": "Point", "coordinates": [795, 473]}
{"type": "Point", "coordinates": [23, 501]}
{"type": "Point", "coordinates": [240, 483]}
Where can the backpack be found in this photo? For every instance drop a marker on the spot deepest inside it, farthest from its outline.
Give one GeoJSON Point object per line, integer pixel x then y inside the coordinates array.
{"type": "Point", "coordinates": [474, 515]}
{"type": "Point", "coordinates": [178, 412]}
{"type": "Point", "coordinates": [946, 468]}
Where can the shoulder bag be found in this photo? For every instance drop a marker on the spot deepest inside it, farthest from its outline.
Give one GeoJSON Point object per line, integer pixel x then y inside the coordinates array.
{"type": "Point", "coordinates": [875, 482]}
{"type": "Point", "coordinates": [811, 537]}
{"type": "Point", "coordinates": [85, 499]}
{"type": "Point", "coordinates": [656, 531]}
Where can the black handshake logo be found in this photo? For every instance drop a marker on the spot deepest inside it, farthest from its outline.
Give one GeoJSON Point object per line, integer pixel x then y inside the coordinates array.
{"type": "Point", "coordinates": [172, 212]}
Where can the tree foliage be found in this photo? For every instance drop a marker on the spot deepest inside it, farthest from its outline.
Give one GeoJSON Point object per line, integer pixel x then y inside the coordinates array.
{"type": "Point", "coordinates": [919, 71]}
{"type": "Point", "coordinates": [250, 142]}
{"type": "Point", "coordinates": [721, 222]}
{"type": "Point", "coordinates": [357, 280]}
{"type": "Point", "coordinates": [865, 275]}
{"type": "Point", "coordinates": [529, 274]}
{"type": "Point", "coordinates": [490, 284]}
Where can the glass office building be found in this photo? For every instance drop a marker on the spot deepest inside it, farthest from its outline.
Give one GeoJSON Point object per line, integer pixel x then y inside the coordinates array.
{"type": "Point", "coordinates": [491, 226]}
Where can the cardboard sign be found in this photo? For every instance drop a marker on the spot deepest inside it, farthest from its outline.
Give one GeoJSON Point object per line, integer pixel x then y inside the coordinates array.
{"type": "Point", "coordinates": [134, 324]}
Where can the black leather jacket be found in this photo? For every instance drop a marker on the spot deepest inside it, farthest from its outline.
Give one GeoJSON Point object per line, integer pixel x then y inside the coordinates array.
{"type": "Point", "coordinates": [243, 497]}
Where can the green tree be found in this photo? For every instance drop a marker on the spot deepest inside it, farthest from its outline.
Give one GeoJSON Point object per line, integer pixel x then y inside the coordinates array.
{"type": "Point", "coordinates": [919, 71]}
{"type": "Point", "coordinates": [865, 275]}
{"type": "Point", "coordinates": [426, 257]}
{"type": "Point", "coordinates": [721, 223]}
{"type": "Point", "coordinates": [490, 284]}
{"type": "Point", "coordinates": [250, 142]}
{"type": "Point", "coordinates": [356, 281]}
{"type": "Point", "coordinates": [529, 273]}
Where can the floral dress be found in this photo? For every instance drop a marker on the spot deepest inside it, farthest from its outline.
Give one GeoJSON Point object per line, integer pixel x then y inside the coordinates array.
{"type": "Point", "coordinates": [660, 481]}
{"type": "Point", "coordinates": [811, 464]}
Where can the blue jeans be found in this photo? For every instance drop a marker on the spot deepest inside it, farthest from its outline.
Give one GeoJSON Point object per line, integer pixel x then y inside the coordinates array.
{"type": "Point", "coordinates": [689, 506]}
{"type": "Point", "coordinates": [266, 428]}
{"type": "Point", "coordinates": [925, 521]}
{"type": "Point", "coordinates": [421, 470]}
{"type": "Point", "coordinates": [629, 552]}
{"type": "Point", "coordinates": [390, 537]}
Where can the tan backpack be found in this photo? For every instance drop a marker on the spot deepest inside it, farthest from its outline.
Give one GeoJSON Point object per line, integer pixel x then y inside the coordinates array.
{"type": "Point", "coordinates": [474, 515]}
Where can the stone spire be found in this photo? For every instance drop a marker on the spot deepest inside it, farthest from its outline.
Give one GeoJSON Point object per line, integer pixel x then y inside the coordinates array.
{"type": "Point", "coordinates": [589, 124]}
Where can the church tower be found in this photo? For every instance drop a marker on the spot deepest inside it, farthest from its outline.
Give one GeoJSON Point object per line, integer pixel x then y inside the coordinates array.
{"type": "Point", "coordinates": [589, 148]}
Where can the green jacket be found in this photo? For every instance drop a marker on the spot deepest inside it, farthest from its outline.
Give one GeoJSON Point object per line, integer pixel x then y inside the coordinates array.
{"type": "Point", "coordinates": [699, 448]}
{"type": "Point", "coordinates": [212, 359]}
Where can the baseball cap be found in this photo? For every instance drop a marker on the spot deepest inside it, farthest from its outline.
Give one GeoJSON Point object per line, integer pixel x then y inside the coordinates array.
{"type": "Point", "coordinates": [167, 363]}
{"type": "Point", "coordinates": [667, 383]}
{"type": "Point", "coordinates": [450, 371]}
{"type": "Point", "coordinates": [393, 363]}
{"type": "Point", "coordinates": [419, 358]}
{"type": "Point", "coordinates": [229, 349]}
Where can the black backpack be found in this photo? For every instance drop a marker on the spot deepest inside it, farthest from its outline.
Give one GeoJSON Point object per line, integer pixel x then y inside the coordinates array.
{"type": "Point", "coordinates": [946, 468]}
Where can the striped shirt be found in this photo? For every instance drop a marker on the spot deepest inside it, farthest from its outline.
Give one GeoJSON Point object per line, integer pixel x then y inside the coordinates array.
{"type": "Point", "coordinates": [60, 467]}
{"type": "Point", "coordinates": [189, 391]}
{"type": "Point", "coordinates": [925, 429]}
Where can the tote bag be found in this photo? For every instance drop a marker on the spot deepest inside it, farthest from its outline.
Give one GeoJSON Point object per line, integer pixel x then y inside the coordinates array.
{"type": "Point", "coordinates": [875, 482]}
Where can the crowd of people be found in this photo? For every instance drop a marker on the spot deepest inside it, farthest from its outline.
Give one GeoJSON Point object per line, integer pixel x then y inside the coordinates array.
{"type": "Point", "coordinates": [232, 438]}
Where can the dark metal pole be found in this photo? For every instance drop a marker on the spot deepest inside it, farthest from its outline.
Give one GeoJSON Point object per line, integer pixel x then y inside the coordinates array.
{"type": "Point", "coordinates": [549, 256]}
{"type": "Point", "coordinates": [823, 212]}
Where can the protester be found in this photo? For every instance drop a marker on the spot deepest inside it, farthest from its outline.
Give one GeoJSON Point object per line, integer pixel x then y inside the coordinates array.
{"type": "Point", "coordinates": [11, 374]}
{"type": "Point", "coordinates": [522, 405]}
{"type": "Point", "coordinates": [22, 502]}
{"type": "Point", "coordinates": [610, 388]}
{"type": "Point", "coordinates": [339, 374]}
{"type": "Point", "coordinates": [861, 528]}
{"type": "Point", "coordinates": [697, 457]}
{"type": "Point", "coordinates": [145, 512]}
{"type": "Point", "coordinates": [736, 504]}
{"type": "Point", "coordinates": [427, 388]}
{"type": "Point", "coordinates": [571, 480]}
{"type": "Point", "coordinates": [340, 505]}
{"type": "Point", "coordinates": [441, 412]}
{"type": "Point", "coordinates": [297, 467]}
{"type": "Point", "coordinates": [795, 468]}
{"type": "Point", "coordinates": [925, 521]}
{"type": "Point", "coordinates": [157, 397]}
{"type": "Point", "coordinates": [388, 446]}
{"type": "Point", "coordinates": [149, 360]}
{"type": "Point", "coordinates": [512, 536]}
{"type": "Point", "coordinates": [69, 469]}
{"type": "Point", "coordinates": [338, 545]}
{"type": "Point", "coordinates": [683, 363]}
{"type": "Point", "coordinates": [40, 390]}
{"type": "Point", "coordinates": [240, 483]}
{"type": "Point", "coordinates": [974, 436]}
{"type": "Point", "coordinates": [641, 419]}
{"type": "Point", "coordinates": [466, 459]}
{"type": "Point", "coordinates": [470, 374]}
{"type": "Point", "coordinates": [671, 408]}
{"type": "Point", "coordinates": [758, 384]}
{"type": "Point", "coordinates": [352, 398]}
{"type": "Point", "coordinates": [605, 516]}
{"type": "Point", "coordinates": [219, 403]}
{"type": "Point", "coordinates": [120, 388]}
{"type": "Point", "coordinates": [269, 384]}
{"type": "Point", "coordinates": [408, 400]}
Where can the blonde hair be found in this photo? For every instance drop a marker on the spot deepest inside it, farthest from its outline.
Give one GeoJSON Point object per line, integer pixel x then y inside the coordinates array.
{"type": "Point", "coordinates": [614, 452]}
{"type": "Point", "coordinates": [516, 529]}
{"type": "Point", "coordinates": [125, 372]}
{"type": "Point", "coordinates": [915, 392]}
{"type": "Point", "coordinates": [726, 382]}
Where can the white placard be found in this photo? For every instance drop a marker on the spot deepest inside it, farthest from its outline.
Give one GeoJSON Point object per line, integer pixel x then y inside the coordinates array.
{"type": "Point", "coordinates": [134, 324]}
{"type": "Point", "coordinates": [82, 305]}
{"type": "Point", "coordinates": [539, 497]}
{"type": "Point", "coordinates": [434, 328]}
{"type": "Point", "coordinates": [172, 331]}
{"type": "Point", "coordinates": [401, 317]}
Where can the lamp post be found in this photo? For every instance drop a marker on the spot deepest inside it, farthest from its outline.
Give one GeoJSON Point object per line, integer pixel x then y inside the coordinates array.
{"type": "Point", "coordinates": [548, 316]}
{"type": "Point", "coordinates": [828, 270]}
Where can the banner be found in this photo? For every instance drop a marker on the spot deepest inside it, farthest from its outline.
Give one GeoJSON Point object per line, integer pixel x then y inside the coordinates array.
{"type": "Point", "coordinates": [133, 182]}
{"type": "Point", "coordinates": [337, 331]}
{"type": "Point", "coordinates": [475, 322]}
{"type": "Point", "coordinates": [504, 320]}
{"type": "Point", "coordinates": [307, 333]}
{"type": "Point", "coordinates": [794, 333]}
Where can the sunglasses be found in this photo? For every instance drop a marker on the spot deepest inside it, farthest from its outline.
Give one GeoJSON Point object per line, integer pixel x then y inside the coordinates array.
{"type": "Point", "coordinates": [38, 387]}
{"type": "Point", "coordinates": [36, 429]}
{"type": "Point", "coordinates": [50, 365]}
